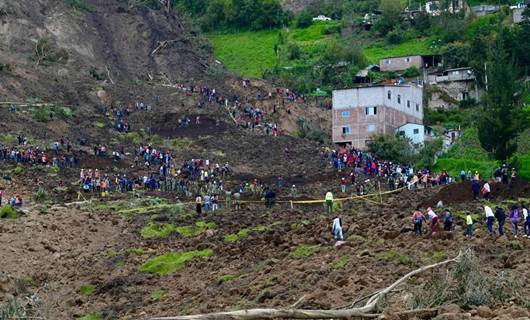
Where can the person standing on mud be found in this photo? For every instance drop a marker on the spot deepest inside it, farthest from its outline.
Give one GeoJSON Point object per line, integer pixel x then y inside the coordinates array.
{"type": "Point", "coordinates": [343, 184]}
{"type": "Point", "coordinates": [501, 218]}
{"type": "Point", "coordinates": [329, 202]}
{"type": "Point", "coordinates": [489, 219]}
{"type": "Point", "coordinates": [237, 199]}
{"type": "Point", "coordinates": [526, 219]}
{"type": "Point", "coordinates": [486, 191]}
{"type": "Point", "coordinates": [514, 219]}
{"type": "Point", "coordinates": [198, 204]}
{"type": "Point", "coordinates": [469, 225]}
{"type": "Point", "coordinates": [475, 188]}
{"type": "Point", "coordinates": [417, 219]}
{"type": "Point", "coordinates": [336, 229]}
{"type": "Point", "coordinates": [448, 220]}
{"type": "Point", "coordinates": [433, 220]}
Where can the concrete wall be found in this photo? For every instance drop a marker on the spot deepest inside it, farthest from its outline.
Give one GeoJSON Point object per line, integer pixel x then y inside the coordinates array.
{"type": "Point", "coordinates": [400, 63]}
{"type": "Point", "coordinates": [454, 90]}
{"type": "Point", "coordinates": [408, 131]}
{"type": "Point", "coordinates": [349, 110]}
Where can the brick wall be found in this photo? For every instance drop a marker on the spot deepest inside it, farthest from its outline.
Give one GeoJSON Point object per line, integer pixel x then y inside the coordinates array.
{"type": "Point", "coordinates": [401, 63]}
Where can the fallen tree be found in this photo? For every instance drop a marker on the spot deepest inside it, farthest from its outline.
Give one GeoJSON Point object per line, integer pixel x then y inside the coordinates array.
{"type": "Point", "coordinates": [366, 311]}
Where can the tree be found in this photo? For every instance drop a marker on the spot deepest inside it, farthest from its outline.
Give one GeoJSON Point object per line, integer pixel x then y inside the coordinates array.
{"type": "Point", "coordinates": [390, 18]}
{"type": "Point", "coordinates": [304, 19]}
{"type": "Point", "coordinates": [392, 148]}
{"type": "Point", "coordinates": [498, 125]}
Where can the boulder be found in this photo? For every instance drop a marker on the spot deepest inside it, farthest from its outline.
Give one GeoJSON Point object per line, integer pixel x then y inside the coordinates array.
{"type": "Point", "coordinates": [485, 312]}
{"type": "Point", "coordinates": [453, 316]}
{"type": "Point", "coordinates": [449, 308]}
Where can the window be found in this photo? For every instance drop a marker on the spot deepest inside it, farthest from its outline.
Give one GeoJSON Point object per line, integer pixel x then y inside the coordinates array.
{"type": "Point", "coordinates": [345, 130]}
{"type": "Point", "coordinates": [408, 103]}
{"type": "Point", "coordinates": [370, 111]}
{"type": "Point", "coordinates": [389, 94]}
{"type": "Point", "coordinates": [370, 128]}
{"type": "Point", "coordinates": [416, 131]}
{"type": "Point", "coordinates": [399, 99]}
{"type": "Point", "coordinates": [407, 59]}
{"type": "Point", "coordinates": [387, 61]}
{"type": "Point", "coordinates": [417, 107]}
{"type": "Point", "coordinates": [345, 114]}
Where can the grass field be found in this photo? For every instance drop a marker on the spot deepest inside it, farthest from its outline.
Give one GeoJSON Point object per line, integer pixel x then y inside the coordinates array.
{"type": "Point", "coordinates": [380, 50]}
{"type": "Point", "coordinates": [523, 163]}
{"type": "Point", "coordinates": [246, 53]}
{"type": "Point", "coordinates": [250, 53]}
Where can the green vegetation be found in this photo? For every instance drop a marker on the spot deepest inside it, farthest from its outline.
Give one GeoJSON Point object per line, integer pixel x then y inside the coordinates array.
{"type": "Point", "coordinates": [8, 212]}
{"type": "Point", "coordinates": [18, 169]}
{"type": "Point", "coordinates": [49, 112]}
{"type": "Point", "coordinates": [246, 53]}
{"type": "Point", "coordinates": [181, 143]}
{"type": "Point", "coordinates": [135, 251]}
{"type": "Point", "coordinates": [227, 278]}
{"type": "Point", "coordinates": [41, 196]}
{"type": "Point", "coordinates": [380, 50]}
{"type": "Point", "coordinates": [87, 290]}
{"type": "Point", "coordinates": [47, 54]}
{"type": "Point", "coordinates": [243, 233]}
{"type": "Point", "coordinates": [305, 250]}
{"type": "Point", "coordinates": [99, 125]}
{"type": "Point", "coordinates": [172, 261]}
{"type": "Point", "coordinates": [396, 257]}
{"type": "Point", "coordinates": [240, 14]}
{"type": "Point", "coordinates": [157, 295]}
{"type": "Point", "coordinates": [154, 230]}
{"type": "Point", "coordinates": [522, 163]}
{"type": "Point", "coordinates": [341, 263]}
{"type": "Point", "coordinates": [80, 5]}
{"type": "Point", "coordinates": [454, 166]}
{"type": "Point", "coordinates": [91, 316]}
{"type": "Point", "coordinates": [356, 238]}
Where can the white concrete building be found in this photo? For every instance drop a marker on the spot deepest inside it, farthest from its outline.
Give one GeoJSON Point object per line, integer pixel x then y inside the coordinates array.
{"type": "Point", "coordinates": [418, 134]}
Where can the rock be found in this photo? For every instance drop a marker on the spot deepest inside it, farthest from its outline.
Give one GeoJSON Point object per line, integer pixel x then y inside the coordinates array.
{"type": "Point", "coordinates": [453, 316]}
{"type": "Point", "coordinates": [339, 244]}
{"type": "Point", "coordinates": [390, 235]}
{"type": "Point", "coordinates": [450, 308]}
{"type": "Point", "coordinates": [365, 253]}
{"type": "Point", "coordinates": [485, 312]}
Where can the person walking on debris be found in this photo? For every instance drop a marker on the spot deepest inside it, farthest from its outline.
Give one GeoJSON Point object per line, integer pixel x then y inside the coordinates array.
{"type": "Point", "coordinates": [469, 225]}
{"type": "Point", "coordinates": [514, 218]}
{"type": "Point", "coordinates": [343, 184]}
{"type": "Point", "coordinates": [433, 220]}
{"type": "Point", "coordinates": [475, 188]}
{"type": "Point", "coordinates": [237, 201]}
{"type": "Point", "coordinates": [489, 219]}
{"type": "Point", "coordinates": [448, 220]}
{"type": "Point", "coordinates": [329, 202]}
{"type": "Point", "coordinates": [417, 219]}
{"type": "Point", "coordinates": [198, 204]}
{"type": "Point", "coordinates": [526, 219]}
{"type": "Point", "coordinates": [336, 229]}
{"type": "Point", "coordinates": [486, 191]}
{"type": "Point", "coordinates": [501, 219]}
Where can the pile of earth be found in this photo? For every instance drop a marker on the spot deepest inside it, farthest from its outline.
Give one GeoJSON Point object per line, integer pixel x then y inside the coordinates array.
{"type": "Point", "coordinates": [459, 193]}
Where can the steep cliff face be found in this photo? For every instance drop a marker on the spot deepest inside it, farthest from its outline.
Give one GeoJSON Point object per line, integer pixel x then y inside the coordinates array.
{"type": "Point", "coordinates": [57, 52]}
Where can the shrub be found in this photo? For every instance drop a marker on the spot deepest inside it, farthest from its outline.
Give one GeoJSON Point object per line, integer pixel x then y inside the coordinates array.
{"type": "Point", "coordinates": [172, 261]}
{"type": "Point", "coordinates": [18, 169]}
{"type": "Point", "coordinates": [8, 212]}
{"type": "Point", "coordinates": [411, 72]}
{"type": "Point", "coordinates": [45, 54]}
{"type": "Point", "coordinates": [4, 67]}
{"type": "Point", "coordinates": [394, 37]}
{"type": "Point", "coordinates": [80, 5]}
{"type": "Point", "coordinates": [157, 295]}
{"type": "Point", "coordinates": [304, 19]}
{"type": "Point", "coordinates": [341, 263]}
{"type": "Point", "coordinates": [41, 195]}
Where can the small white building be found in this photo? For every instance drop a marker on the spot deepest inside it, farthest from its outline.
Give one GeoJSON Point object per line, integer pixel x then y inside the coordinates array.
{"type": "Point", "coordinates": [416, 133]}
{"type": "Point", "coordinates": [322, 18]}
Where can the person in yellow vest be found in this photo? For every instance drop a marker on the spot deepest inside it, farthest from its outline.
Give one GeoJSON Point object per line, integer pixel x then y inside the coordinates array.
{"type": "Point", "coordinates": [329, 202]}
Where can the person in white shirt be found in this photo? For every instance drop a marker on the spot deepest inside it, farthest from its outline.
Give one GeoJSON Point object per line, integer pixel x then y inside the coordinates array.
{"type": "Point", "coordinates": [490, 218]}
{"type": "Point", "coordinates": [526, 219]}
{"type": "Point", "coordinates": [486, 191]}
{"type": "Point", "coordinates": [336, 229]}
{"type": "Point", "coordinates": [433, 220]}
